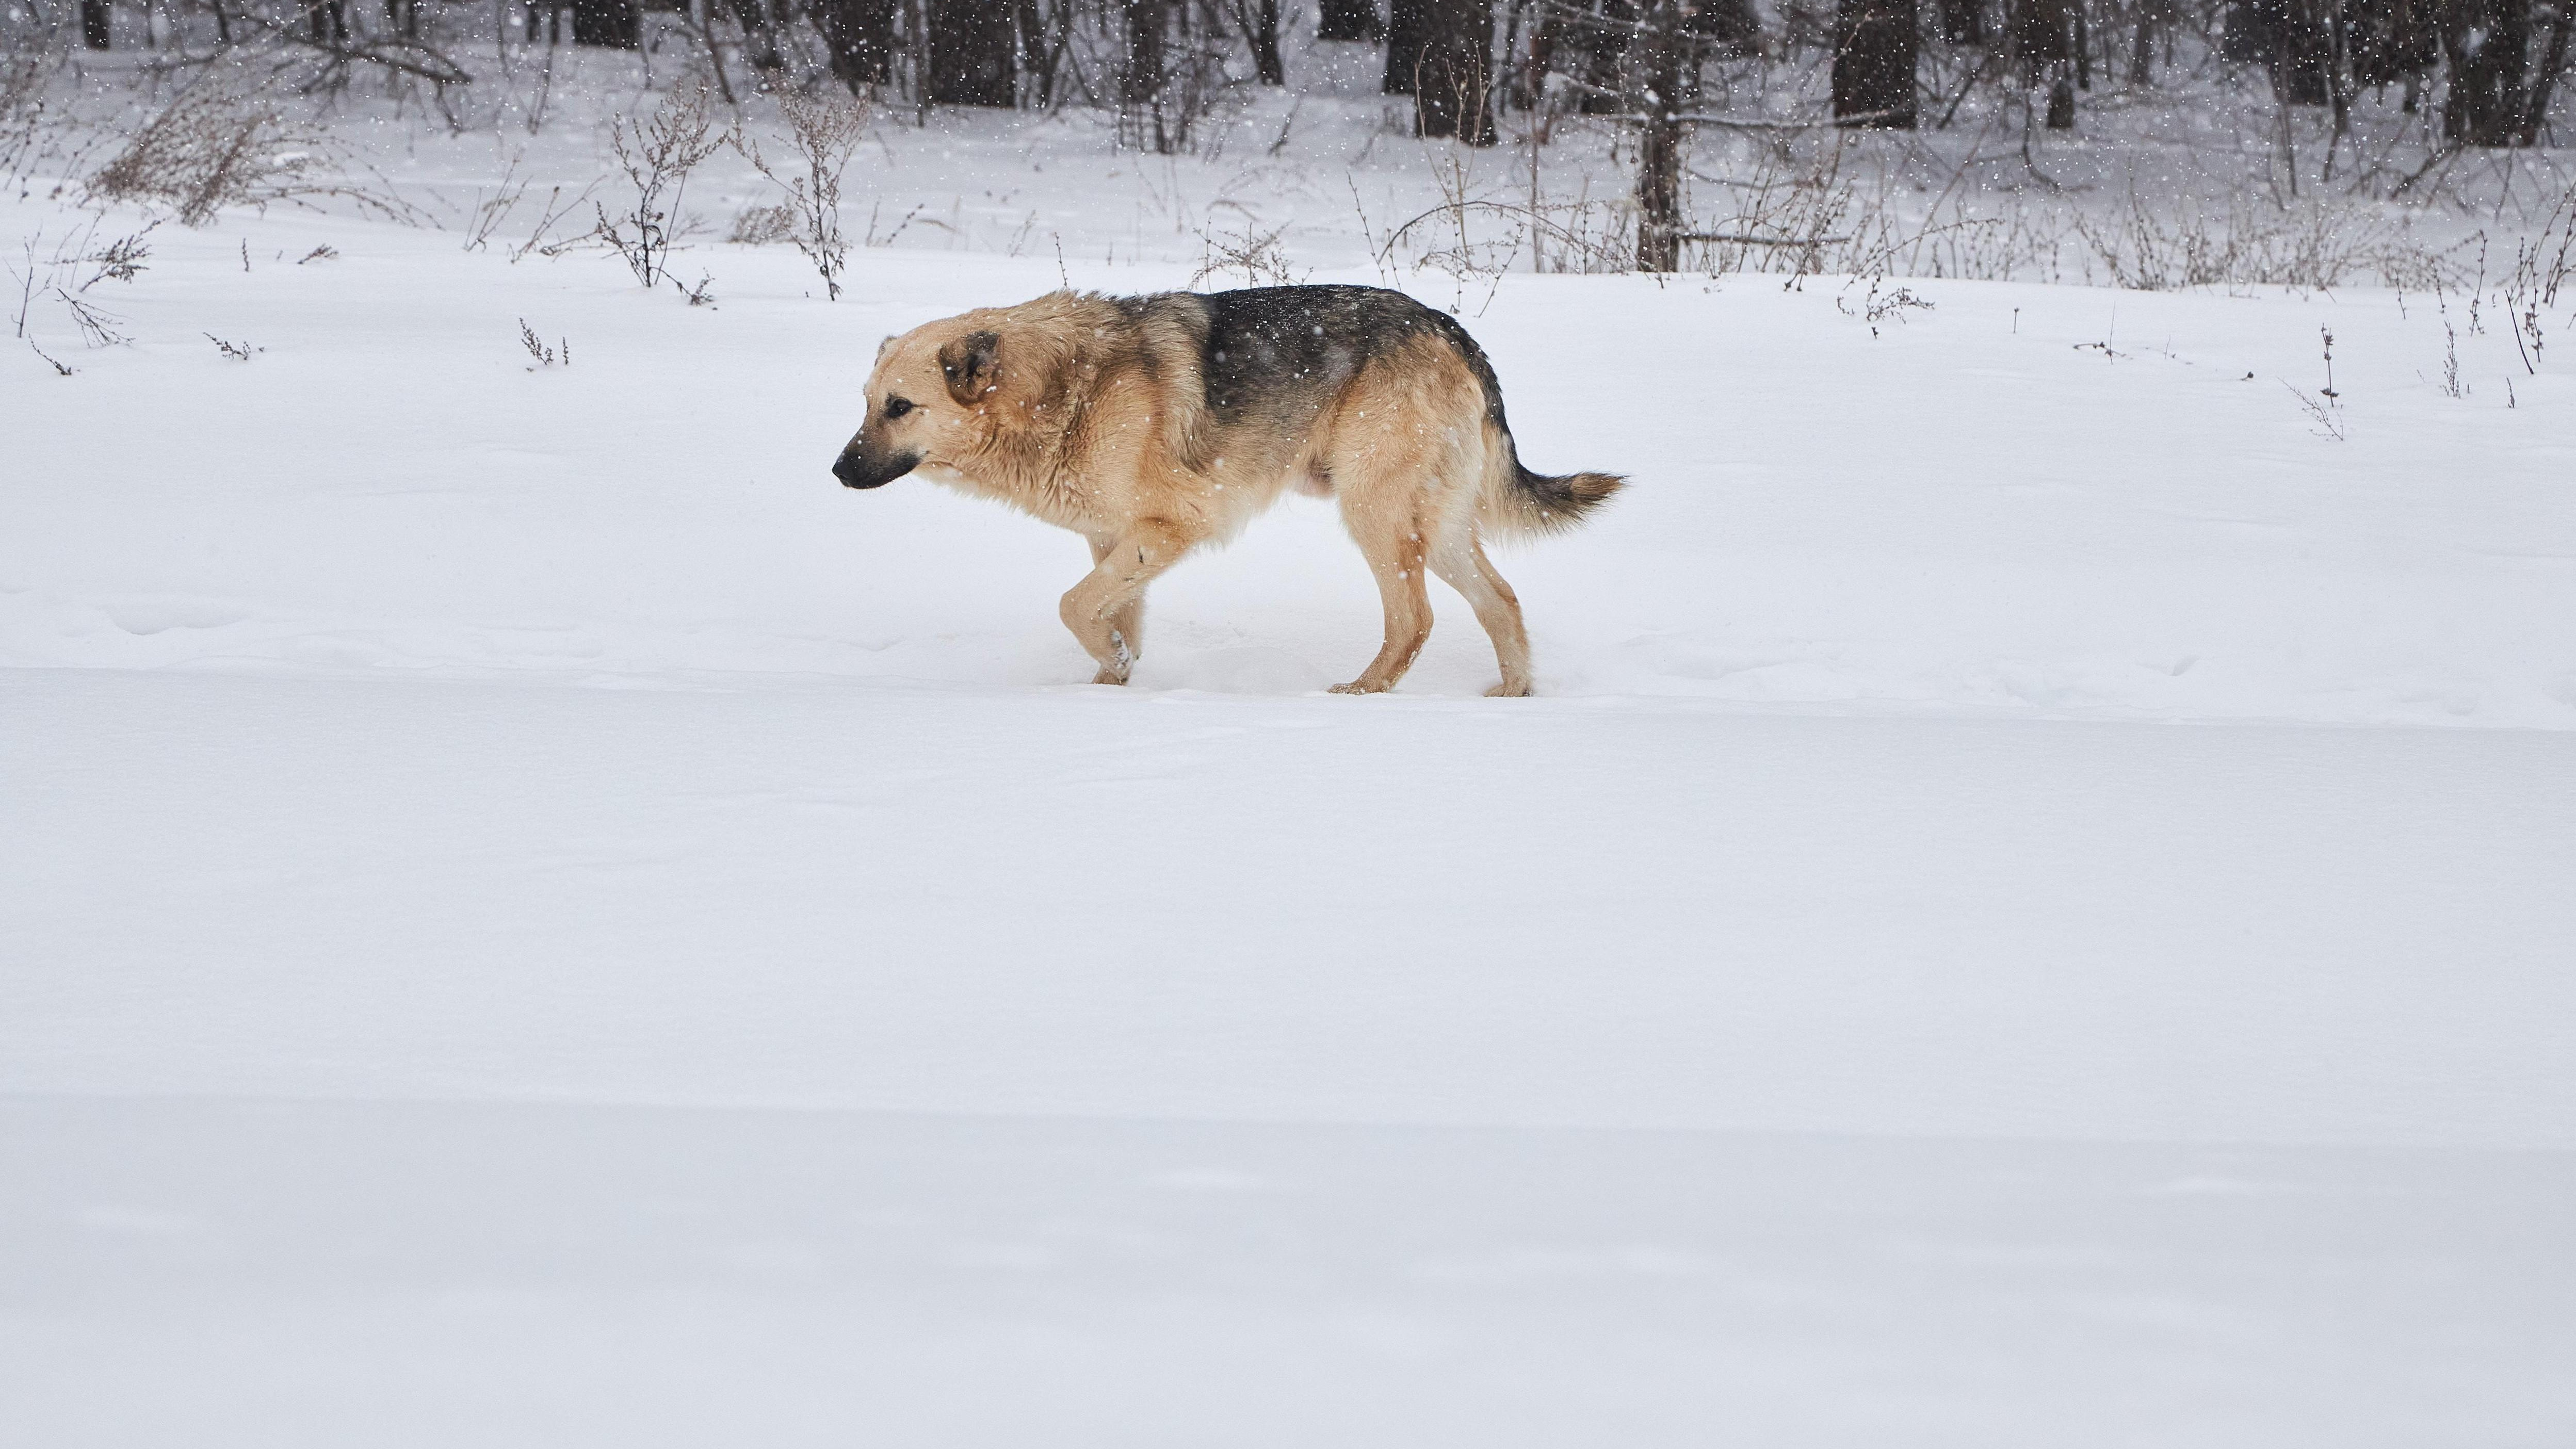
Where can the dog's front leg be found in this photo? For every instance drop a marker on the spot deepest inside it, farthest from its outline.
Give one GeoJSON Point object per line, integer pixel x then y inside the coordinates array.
{"type": "Point", "coordinates": [1106, 611]}
{"type": "Point", "coordinates": [1127, 624]}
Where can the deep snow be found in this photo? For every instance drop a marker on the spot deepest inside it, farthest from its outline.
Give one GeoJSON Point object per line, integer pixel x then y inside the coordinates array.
{"type": "Point", "coordinates": [225, 1273]}
{"type": "Point", "coordinates": [2032, 908]}
{"type": "Point", "coordinates": [1974, 505]}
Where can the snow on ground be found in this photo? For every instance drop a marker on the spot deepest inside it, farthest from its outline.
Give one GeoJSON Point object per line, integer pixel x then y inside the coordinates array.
{"type": "Point", "coordinates": [2031, 909]}
{"type": "Point", "coordinates": [221, 1272]}
{"type": "Point", "coordinates": [2018, 497]}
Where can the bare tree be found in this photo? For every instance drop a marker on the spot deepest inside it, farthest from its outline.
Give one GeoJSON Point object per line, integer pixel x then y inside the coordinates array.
{"type": "Point", "coordinates": [2482, 40]}
{"type": "Point", "coordinates": [2046, 36]}
{"type": "Point", "coordinates": [1877, 44]}
{"type": "Point", "coordinates": [858, 37]}
{"type": "Point", "coordinates": [1259, 22]}
{"type": "Point", "coordinates": [760, 47]}
{"type": "Point", "coordinates": [1044, 38]}
{"type": "Point", "coordinates": [2150, 14]}
{"type": "Point", "coordinates": [1454, 77]}
{"type": "Point", "coordinates": [614, 24]}
{"type": "Point", "coordinates": [1587, 40]}
{"type": "Point", "coordinates": [974, 53]}
{"type": "Point", "coordinates": [1406, 32]}
{"type": "Point", "coordinates": [1142, 69]}
{"type": "Point", "coordinates": [1662, 47]}
{"type": "Point", "coordinates": [2553, 64]}
{"type": "Point", "coordinates": [2301, 50]}
{"type": "Point", "coordinates": [2393, 40]}
{"type": "Point", "coordinates": [1348, 20]}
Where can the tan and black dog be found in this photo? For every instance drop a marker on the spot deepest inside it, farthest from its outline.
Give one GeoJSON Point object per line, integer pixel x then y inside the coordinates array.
{"type": "Point", "coordinates": [1153, 425]}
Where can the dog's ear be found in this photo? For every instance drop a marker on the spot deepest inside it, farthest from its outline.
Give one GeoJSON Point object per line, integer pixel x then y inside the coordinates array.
{"type": "Point", "coordinates": [971, 364]}
{"type": "Point", "coordinates": [883, 347]}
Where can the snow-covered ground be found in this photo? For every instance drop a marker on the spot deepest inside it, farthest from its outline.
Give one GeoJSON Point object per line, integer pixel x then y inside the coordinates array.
{"type": "Point", "coordinates": [2033, 908]}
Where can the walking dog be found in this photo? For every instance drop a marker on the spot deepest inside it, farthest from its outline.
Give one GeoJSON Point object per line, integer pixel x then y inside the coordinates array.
{"type": "Point", "coordinates": [1154, 425]}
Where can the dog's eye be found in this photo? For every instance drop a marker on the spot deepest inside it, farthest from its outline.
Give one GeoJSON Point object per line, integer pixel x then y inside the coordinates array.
{"type": "Point", "coordinates": [896, 407]}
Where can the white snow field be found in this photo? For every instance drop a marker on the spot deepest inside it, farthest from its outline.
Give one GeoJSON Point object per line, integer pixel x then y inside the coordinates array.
{"type": "Point", "coordinates": [2036, 905]}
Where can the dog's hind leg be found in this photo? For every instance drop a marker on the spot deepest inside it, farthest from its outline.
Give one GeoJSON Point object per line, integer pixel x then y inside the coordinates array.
{"type": "Point", "coordinates": [1460, 561]}
{"type": "Point", "coordinates": [1391, 540]}
{"type": "Point", "coordinates": [1115, 589]}
{"type": "Point", "coordinates": [1406, 448]}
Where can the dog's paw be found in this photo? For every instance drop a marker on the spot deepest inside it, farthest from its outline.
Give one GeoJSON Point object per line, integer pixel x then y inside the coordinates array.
{"type": "Point", "coordinates": [1509, 690]}
{"type": "Point", "coordinates": [1110, 676]}
{"type": "Point", "coordinates": [1357, 686]}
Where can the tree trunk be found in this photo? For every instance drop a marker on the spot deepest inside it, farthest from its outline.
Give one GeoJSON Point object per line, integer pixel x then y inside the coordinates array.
{"type": "Point", "coordinates": [1605, 38]}
{"type": "Point", "coordinates": [1405, 39]}
{"type": "Point", "coordinates": [1531, 87]}
{"type": "Point", "coordinates": [858, 35]}
{"type": "Point", "coordinates": [1037, 59]}
{"type": "Point", "coordinates": [611, 23]}
{"type": "Point", "coordinates": [2487, 43]}
{"type": "Point", "coordinates": [2338, 72]}
{"type": "Point", "coordinates": [94, 24]}
{"type": "Point", "coordinates": [2244, 36]}
{"type": "Point", "coordinates": [2061, 100]}
{"type": "Point", "coordinates": [1724, 27]}
{"type": "Point", "coordinates": [1266, 60]}
{"type": "Point", "coordinates": [2553, 64]}
{"type": "Point", "coordinates": [1142, 71]}
{"type": "Point", "coordinates": [2301, 51]}
{"type": "Point", "coordinates": [974, 58]}
{"type": "Point", "coordinates": [1963, 22]}
{"type": "Point", "coordinates": [1453, 94]}
{"type": "Point", "coordinates": [1876, 43]}
{"type": "Point", "coordinates": [2044, 37]}
{"type": "Point", "coordinates": [1661, 45]}
{"type": "Point", "coordinates": [1348, 20]}
{"type": "Point", "coordinates": [2042, 31]}
{"type": "Point", "coordinates": [759, 36]}
{"type": "Point", "coordinates": [2393, 40]}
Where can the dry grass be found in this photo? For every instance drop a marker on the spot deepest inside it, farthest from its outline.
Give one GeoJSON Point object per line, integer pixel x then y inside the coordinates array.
{"type": "Point", "coordinates": [2320, 245]}
{"type": "Point", "coordinates": [1797, 206]}
{"type": "Point", "coordinates": [1256, 256]}
{"type": "Point", "coordinates": [22, 114]}
{"type": "Point", "coordinates": [61, 281]}
{"type": "Point", "coordinates": [762, 226]}
{"type": "Point", "coordinates": [657, 154]}
{"type": "Point", "coordinates": [224, 141]}
{"type": "Point", "coordinates": [824, 132]}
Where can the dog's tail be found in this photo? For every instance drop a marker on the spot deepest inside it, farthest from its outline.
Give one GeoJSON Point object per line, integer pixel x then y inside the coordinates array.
{"type": "Point", "coordinates": [1514, 499]}
{"type": "Point", "coordinates": [1517, 500]}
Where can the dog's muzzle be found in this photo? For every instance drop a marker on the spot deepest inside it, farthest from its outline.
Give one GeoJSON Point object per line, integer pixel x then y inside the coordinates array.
{"type": "Point", "coordinates": [856, 470]}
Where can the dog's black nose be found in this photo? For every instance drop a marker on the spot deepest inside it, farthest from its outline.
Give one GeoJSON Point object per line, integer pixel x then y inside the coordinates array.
{"type": "Point", "coordinates": [856, 470]}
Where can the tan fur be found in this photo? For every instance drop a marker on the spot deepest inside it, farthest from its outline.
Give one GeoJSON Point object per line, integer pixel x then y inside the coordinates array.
{"type": "Point", "coordinates": [1094, 418]}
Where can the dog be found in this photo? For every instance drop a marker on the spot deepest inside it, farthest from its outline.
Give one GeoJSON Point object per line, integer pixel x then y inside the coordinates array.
{"type": "Point", "coordinates": [1156, 425]}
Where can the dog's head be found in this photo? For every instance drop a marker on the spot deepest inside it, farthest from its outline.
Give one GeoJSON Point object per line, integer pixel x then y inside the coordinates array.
{"type": "Point", "coordinates": [931, 400]}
